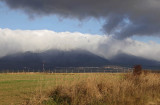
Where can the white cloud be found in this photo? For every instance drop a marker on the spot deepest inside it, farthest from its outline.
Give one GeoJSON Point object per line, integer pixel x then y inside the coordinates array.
{"type": "Point", "coordinates": [13, 41]}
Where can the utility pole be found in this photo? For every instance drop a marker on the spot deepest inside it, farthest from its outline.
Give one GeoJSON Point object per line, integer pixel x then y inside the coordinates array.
{"type": "Point", "coordinates": [43, 67]}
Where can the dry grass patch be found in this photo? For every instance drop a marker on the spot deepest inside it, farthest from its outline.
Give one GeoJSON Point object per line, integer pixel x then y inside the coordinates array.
{"type": "Point", "coordinates": [105, 90]}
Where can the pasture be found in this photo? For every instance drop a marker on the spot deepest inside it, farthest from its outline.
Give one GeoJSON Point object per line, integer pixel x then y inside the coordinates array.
{"type": "Point", "coordinates": [17, 87]}
{"type": "Point", "coordinates": [79, 88]}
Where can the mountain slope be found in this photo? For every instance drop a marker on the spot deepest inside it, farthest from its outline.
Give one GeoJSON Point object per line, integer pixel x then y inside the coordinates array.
{"type": "Point", "coordinates": [73, 58]}
{"type": "Point", "coordinates": [131, 60]}
{"type": "Point", "coordinates": [51, 59]}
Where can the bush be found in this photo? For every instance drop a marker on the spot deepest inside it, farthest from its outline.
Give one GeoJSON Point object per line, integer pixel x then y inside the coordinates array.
{"type": "Point", "coordinates": [137, 70]}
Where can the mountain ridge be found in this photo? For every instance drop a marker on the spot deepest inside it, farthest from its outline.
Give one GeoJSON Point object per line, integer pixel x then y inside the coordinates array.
{"type": "Point", "coordinates": [52, 59]}
{"type": "Point", "coordinates": [73, 58]}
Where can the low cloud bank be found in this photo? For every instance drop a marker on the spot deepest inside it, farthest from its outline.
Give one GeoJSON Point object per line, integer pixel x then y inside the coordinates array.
{"type": "Point", "coordinates": [15, 41]}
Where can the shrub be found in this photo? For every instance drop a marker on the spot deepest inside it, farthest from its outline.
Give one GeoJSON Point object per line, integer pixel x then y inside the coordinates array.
{"type": "Point", "coordinates": [137, 70]}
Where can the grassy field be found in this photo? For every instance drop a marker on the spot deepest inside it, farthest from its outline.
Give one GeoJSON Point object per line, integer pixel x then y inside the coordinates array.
{"type": "Point", "coordinates": [17, 87]}
{"type": "Point", "coordinates": [82, 89]}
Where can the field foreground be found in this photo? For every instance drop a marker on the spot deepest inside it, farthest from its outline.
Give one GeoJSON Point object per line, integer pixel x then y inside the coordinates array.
{"type": "Point", "coordinates": [79, 89]}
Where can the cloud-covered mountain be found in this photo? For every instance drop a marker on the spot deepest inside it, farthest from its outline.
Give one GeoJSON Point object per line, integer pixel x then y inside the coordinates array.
{"type": "Point", "coordinates": [50, 46]}
{"type": "Point", "coordinates": [131, 60]}
{"type": "Point", "coordinates": [20, 41]}
{"type": "Point", "coordinates": [52, 59]}
{"type": "Point", "coordinates": [73, 58]}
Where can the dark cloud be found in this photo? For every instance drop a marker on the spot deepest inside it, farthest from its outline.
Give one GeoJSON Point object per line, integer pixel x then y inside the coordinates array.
{"type": "Point", "coordinates": [143, 15]}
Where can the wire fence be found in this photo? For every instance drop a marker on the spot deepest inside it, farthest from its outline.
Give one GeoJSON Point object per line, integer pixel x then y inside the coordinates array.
{"type": "Point", "coordinates": [73, 70]}
{"type": "Point", "coordinates": [108, 69]}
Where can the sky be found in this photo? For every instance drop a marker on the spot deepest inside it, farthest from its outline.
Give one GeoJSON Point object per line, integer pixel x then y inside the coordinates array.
{"type": "Point", "coordinates": [104, 27]}
{"type": "Point", "coordinates": [15, 19]}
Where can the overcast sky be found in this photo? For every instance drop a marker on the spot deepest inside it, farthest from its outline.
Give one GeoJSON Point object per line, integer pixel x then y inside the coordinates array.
{"type": "Point", "coordinates": [103, 27]}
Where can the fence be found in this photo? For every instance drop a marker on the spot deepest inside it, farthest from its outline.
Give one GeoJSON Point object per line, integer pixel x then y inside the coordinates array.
{"type": "Point", "coordinates": [74, 70]}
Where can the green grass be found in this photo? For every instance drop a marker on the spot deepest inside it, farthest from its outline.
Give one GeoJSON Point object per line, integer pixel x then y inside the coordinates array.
{"type": "Point", "coordinates": [17, 87]}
